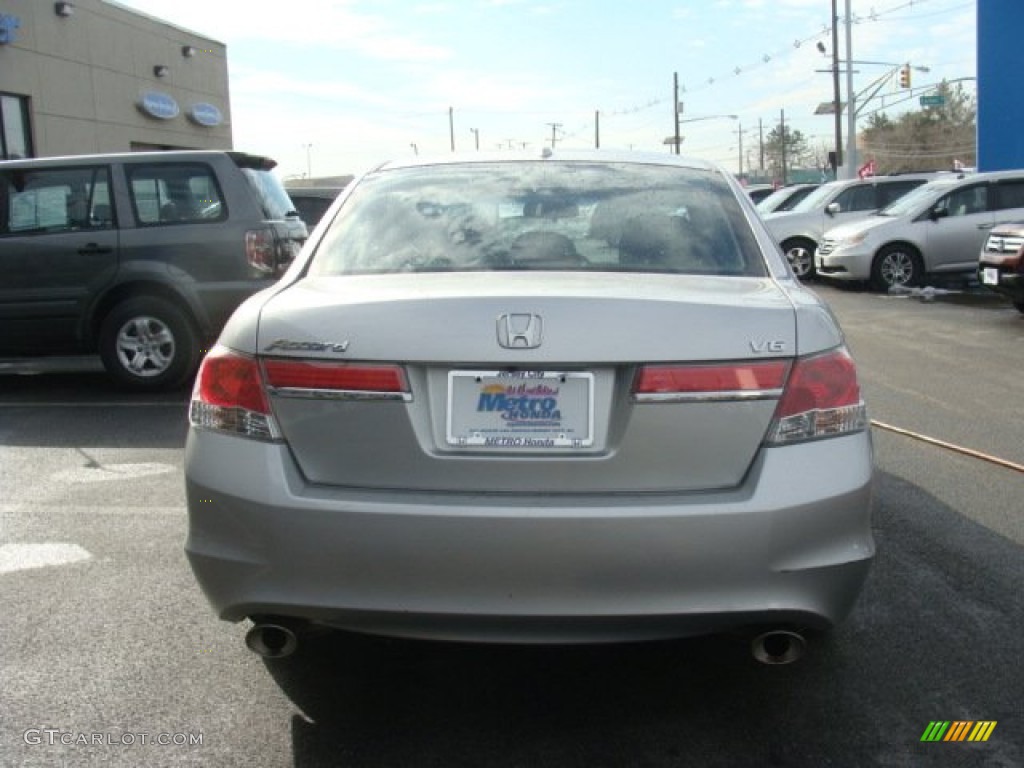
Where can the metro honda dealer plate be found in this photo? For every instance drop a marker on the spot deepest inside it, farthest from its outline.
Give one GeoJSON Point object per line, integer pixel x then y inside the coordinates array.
{"type": "Point", "coordinates": [521, 409]}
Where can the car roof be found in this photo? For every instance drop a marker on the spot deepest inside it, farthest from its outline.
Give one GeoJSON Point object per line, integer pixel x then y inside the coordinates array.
{"type": "Point", "coordinates": [565, 155]}
{"type": "Point", "coordinates": [175, 155]}
{"type": "Point", "coordinates": [960, 179]}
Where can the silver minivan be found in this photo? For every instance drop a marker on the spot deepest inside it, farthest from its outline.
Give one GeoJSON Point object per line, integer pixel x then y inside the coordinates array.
{"type": "Point", "coordinates": [938, 228]}
{"type": "Point", "coordinates": [799, 230]}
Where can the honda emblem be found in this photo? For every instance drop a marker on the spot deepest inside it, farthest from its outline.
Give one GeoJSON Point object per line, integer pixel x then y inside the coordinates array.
{"type": "Point", "coordinates": [520, 331]}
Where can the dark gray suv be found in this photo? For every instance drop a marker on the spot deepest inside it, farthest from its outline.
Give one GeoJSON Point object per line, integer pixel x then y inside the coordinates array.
{"type": "Point", "coordinates": [140, 257]}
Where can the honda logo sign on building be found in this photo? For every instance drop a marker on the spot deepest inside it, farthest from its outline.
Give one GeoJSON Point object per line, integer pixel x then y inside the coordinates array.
{"type": "Point", "coordinates": [205, 114]}
{"type": "Point", "coordinates": [158, 105]}
{"type": "Point", "coordinates": [8, 26]}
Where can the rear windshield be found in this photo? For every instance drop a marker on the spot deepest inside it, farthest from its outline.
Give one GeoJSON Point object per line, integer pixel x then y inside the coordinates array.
{"type": "Point", "coordinates": [545, 215]}
{"type": "Point", "coordinates": [271, 193]}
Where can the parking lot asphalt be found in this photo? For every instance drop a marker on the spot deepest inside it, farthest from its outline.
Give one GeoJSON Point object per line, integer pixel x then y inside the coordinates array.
{"type": "Point", "coordinates": [107, 635]}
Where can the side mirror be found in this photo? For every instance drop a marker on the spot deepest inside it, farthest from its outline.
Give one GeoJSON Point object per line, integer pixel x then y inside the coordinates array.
{"type": "Point", "coordinates": [938, 213]}
{"type": "Point", "coordinates": [833, 208]}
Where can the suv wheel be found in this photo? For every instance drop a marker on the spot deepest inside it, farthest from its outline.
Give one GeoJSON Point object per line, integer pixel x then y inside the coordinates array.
{"type": "Point", "coordinates": [896, 265]}
{"type": "Point", "coordinates": [147, 343]}
{"type": "Point", "coordinates": [800, 254]}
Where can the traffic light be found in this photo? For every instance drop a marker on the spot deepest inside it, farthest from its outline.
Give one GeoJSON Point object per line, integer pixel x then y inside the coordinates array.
{"type": "Point", "coordinates": [905, 76]}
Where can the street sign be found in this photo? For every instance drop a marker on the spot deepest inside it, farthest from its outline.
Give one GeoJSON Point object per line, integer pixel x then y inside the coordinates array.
{"type": "Point", "coordinates": [932, 100]}
{"type": "Point", "coordinates": [829, 108]}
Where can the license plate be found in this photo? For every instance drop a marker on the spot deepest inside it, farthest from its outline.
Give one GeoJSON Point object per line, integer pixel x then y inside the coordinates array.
{"type": "Point", "coordinates": [990, 276]}
{"type": "Point", "coordinates": [533, 410]}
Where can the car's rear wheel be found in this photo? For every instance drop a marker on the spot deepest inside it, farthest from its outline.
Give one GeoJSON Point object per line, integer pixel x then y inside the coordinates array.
{"type": "Point", "coordinates": [147, 343]}
{"type": "Point", "coordinates": [896, 266]}
{"type": "Point", "coordinates": [800, 253]}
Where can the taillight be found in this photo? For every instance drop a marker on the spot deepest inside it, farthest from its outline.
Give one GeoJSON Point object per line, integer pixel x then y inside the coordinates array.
{"type": "Point", "coordinates": [818, 396]}
{"type": "Point", "coordinates": [229, 397]}
{"type": "Point", "coordinates": [728, 381]}
{"type": "Point", "coordinates": [261, 250]}
{"type": "Point", "coordinates": [821, 399]}
{"type": "Point", "coordinates": [308, 378]}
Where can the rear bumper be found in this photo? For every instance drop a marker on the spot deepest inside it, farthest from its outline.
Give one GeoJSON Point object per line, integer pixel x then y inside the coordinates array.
{"type": "Point", "coordinates": [1010, 285]}
{"type": "Point", "coordinates": [791, 546]}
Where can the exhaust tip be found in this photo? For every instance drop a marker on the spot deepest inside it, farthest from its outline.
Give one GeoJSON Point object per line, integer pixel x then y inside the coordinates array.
{"type": "Point", "coordinates": [779, 646]}
{"type": "Point", "coordinates": [272, 640]}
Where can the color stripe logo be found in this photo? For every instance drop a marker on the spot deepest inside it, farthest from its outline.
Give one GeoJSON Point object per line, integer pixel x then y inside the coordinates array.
{"type": "Point", "coordinates": [958, 730]}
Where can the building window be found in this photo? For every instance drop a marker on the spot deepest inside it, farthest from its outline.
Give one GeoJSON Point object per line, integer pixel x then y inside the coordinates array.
{"type": "Point", "coordinates": [15, 137]}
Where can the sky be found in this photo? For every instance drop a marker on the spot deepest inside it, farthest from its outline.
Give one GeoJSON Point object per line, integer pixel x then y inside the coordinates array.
{"type": "Point", "coordinates": [332, 87]}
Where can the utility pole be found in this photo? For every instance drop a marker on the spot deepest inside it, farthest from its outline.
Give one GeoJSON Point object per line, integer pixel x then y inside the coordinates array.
{"type": "Point", "coordinates": [782, 133]}
{"type": "Point", "coordinates": [597, 129]}
{"type": "Point", "coordinates": [554, 133]}
{"type": "Point", "coordinates": [836, 98]}
{"type": "Point", "coordinates": [739, 132]}
{"type": "Point", "coordinates": [851, 112]}
{"type": "Point", "coordinates": [309, 164]}
{"type": "Point", "coordinates": [760, 144]}
{"type": "Point", "coordinates": [476, 134]}
{"type": "Point", "coordinates": [675, 107]}
{"type": "Point", "coordinates": [451, 123]}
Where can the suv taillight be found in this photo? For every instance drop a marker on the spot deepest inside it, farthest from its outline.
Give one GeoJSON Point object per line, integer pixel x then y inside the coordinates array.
{"type": "Point", "coordinates": [229, 397]}
{"type": "Point", "coordinates": [261, 250]}
{"type": "Point", "coordinates": [821, 399]}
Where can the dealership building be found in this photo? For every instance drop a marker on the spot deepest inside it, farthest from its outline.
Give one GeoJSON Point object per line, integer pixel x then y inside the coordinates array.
{"type": "Point", "coordinates": [94, 76]}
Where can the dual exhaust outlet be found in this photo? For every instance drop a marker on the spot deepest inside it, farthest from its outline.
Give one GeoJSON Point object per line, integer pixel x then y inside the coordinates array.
{"type": "Point", "coordinates": [275, 638]}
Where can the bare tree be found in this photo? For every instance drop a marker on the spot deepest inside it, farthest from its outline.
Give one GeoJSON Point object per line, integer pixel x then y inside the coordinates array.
{"type": "Point", "coordinates": [929, 139]}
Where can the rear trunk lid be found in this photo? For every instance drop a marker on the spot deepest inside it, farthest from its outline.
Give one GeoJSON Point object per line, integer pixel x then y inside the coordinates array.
{"type": "Point", "coordinates": [523, 382]}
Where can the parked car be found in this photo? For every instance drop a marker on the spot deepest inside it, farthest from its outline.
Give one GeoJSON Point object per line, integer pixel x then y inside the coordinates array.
{"type": "Point", "coordinates": [549, 397]}
{"type": "Point", "coordinates": [785, 198]}
{"type": "Point", "coordinates": [799, 230]}
{"type": "Point", "coordinates": [758, 192]}
{"type": "Point", "coordinates": [140, 257]}
{"type": "Point", "coordinates": [1001, 263]}
{"type": "Point", "coordinates": [312, 202]}
{"type": "Point", "coordinates": [937, 229]}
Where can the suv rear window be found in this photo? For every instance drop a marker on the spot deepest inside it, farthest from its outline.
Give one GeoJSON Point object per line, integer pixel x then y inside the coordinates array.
{"type": "Point", "coordinates": [271, 193]}
{"type": "Point", "coordinates": [171, 193]}
{"type": "Point", "coordinates": [544, 215]}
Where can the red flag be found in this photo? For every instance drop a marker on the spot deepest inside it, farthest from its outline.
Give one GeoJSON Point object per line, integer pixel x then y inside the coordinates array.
{"type": "Point", "coordinates": [868, 169]}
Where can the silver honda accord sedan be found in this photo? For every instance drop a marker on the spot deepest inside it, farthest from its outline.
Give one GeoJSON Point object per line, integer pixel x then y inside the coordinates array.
{"type": "Point", "coordinates": [559, 397]}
